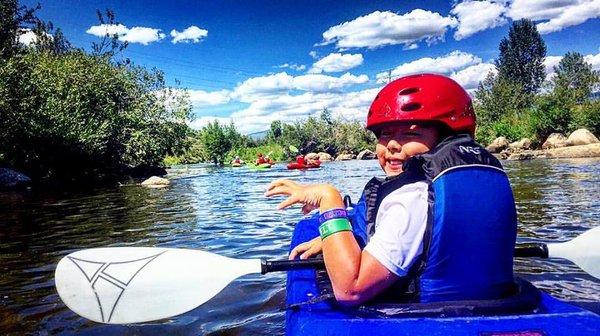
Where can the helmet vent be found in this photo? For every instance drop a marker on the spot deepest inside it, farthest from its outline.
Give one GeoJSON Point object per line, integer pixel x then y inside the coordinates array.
{"type": "Point", "coordinates": [410, 107]}
{"type": "Point", "coordinates": [408, 91]}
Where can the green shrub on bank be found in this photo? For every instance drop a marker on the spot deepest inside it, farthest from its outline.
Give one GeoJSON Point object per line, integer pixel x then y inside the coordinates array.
{"type": "Point", "coordinates": [249, 154]}
{"type": "Point", "coordinates": [587, 116]}
{"type": "Point", "coordinates": [76, 116]}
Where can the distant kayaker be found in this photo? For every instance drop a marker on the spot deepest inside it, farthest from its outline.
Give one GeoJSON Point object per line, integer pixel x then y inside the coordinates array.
{"type": "Point", "coordinates": [260, 159]}
{"type": "Point", "coordinates": [269, 160]}
{"type": "Point", "coordinates": [300, 160]}
{"type": "Point", "coordinates": [237, 161]}
{"type": "Point", "coordinates": [408, 239]}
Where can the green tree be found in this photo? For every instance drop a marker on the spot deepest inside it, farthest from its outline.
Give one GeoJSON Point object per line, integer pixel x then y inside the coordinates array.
{"type": "Point", "coordinates": [217, 140]}
{"type": "Point", "coordinates": [522, 54]}
{"type": "Point", "coordinates": [574, 78]}
{"type": "Point", "coordinates": [275, 131]}
{"type": "Point", "coordinates": [74, 117]}
{"type": "Point", "coordinates": [501, 109]}
{"type": "Point", "coordinates": [13, 20]}
{"type": "Point", "coordinates": [551, 113]}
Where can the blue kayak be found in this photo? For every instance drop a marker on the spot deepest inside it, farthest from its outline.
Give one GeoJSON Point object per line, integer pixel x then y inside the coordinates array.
{"type": "Point", "coordinates": [309, 312]}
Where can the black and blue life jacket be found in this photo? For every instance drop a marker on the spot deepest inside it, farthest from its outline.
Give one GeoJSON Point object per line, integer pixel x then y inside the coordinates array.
{"type": "Point", "coordinates": [471, 229]}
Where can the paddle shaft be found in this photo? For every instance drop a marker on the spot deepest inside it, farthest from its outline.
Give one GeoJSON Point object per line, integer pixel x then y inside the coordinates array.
{"type": "Point", "coordinates": [288, 265]}
{"type": "Point", "coordinates": [527, 250]}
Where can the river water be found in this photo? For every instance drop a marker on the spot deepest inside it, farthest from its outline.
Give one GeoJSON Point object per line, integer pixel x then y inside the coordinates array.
{"type": "Point", "coordinates": [223, 210]}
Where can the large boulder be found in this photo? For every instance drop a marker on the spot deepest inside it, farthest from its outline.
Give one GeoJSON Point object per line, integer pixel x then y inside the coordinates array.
{"type": "Point", "coordinates": [10, 179]}
{"type": "Point", "coordinates": [156, 182]}
{"type": "Point", "coordinates": [581, 137]}
{"type": "Point", "coordinates": [324, 157]}
{"type": "Point", "coordinates": [522, 144]}
{"type": "Point", "coordinates": [311, 156]}
{"type": "Point", "coordinates": [345, 157]}
{"type": "Point", "coordinates": [366, 155]}
{"type": "Point", "coordinates": [555, 140]}
{"type": "Point", "coordinates": [571, 152]}
{"type": "Point", "coordinates": [498, 145]}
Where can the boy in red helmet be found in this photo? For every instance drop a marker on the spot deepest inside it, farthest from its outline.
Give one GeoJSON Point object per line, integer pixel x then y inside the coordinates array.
{"type": "Point", "coordinates": [428, 237]}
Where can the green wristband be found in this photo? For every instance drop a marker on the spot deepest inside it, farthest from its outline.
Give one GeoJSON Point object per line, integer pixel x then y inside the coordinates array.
{"type": "Point", "coordinates": [334, 225]}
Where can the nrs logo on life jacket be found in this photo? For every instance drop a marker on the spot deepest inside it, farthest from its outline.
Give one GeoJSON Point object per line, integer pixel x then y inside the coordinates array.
{"type": "Point", "coordinates": [469, 149]}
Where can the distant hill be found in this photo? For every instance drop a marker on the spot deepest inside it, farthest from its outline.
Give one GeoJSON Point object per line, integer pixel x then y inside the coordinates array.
{"type": "Point", "coordinates": [258, 135]}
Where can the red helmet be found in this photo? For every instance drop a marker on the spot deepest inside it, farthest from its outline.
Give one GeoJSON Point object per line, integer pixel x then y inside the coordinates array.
{"type": "Point", "coordinates": [423, 97]}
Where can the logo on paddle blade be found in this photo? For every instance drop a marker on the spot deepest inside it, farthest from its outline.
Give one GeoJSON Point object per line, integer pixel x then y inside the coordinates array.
{"type": "Point", "coordinates": [110, 279]}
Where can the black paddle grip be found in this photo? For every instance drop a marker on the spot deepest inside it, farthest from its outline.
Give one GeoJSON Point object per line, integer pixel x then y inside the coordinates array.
{"type": "Point", "coordinates": [539, 250]}
{"type": "Point", "coordinates": [531, 250]}
{"type": "Point", "coordinates": [287, 265]}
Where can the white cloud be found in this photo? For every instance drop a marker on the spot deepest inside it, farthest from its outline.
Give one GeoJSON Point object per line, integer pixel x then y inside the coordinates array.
{"type": "Point", "coordinates": [200, 98]}
{"type": "Point", "coordinates": [107, 29]}
{"type": "Point", "coordinates": [265, 86]}
{"type": "Point", "coordinates": [271, 86]}
{"type": "Point", "coordinates": [411, 46]}
{"type": "Point", "coordinates": [559, 13]}
{"type": "Point", "coordinates": [594, 60]}
{"type": "Point", "coordinates": [336, 62]}
{"type": "Point", "coordinates": [190, 34]}
{"type": "Point", "coordinates": [293, 66]}
{"type": "Point", "coordinates": [203, 121]}
{"type": "Point", "coordinates": [28, 37]}
{"type": "Point", "coordinates": [287, 108]}
{"type": "Point", "coordinates": [323, 83]}
{"type": "Point", "coordinates": [551, 61]}
{"type": "Point", "coordinates": [142, 35]}
{"type": "Point", "coordinates": [470, 77]}
{"type": "Point", "coordinates": [445, 64]}
{"type": "Point", "coordinates": [313, 54]}
{"type": "Point", "coordinates": [475, 16]}
{"type": "Point", "coordinates": [386, 28]}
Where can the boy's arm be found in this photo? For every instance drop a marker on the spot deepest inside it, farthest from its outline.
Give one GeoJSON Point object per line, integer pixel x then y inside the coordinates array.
{"type": "Point", "coordinates": [356, 276]}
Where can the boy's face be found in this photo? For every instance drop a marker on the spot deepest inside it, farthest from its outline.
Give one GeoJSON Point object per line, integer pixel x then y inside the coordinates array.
{"type": "Point", "coordinates": [398, 143]}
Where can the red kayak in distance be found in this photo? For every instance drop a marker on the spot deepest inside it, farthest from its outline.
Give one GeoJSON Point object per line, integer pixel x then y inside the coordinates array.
{"type": "Point", "coordinates": [296, 165]}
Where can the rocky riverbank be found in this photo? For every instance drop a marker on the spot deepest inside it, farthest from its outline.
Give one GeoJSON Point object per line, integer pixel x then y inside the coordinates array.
{"type": "Point", "coordinates": [580, 144]}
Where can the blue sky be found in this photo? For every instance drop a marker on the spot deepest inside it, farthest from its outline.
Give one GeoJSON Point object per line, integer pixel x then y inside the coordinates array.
{"type": "Point", "coordinates": [253, 62]}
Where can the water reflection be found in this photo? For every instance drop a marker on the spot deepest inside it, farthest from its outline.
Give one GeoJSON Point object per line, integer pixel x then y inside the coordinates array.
{"type": "Point", "coordinates": [223, 210]}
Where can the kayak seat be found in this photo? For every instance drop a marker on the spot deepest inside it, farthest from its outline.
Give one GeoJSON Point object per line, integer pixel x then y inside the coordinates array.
{"type": "Point", "coordinates": [525, 298]}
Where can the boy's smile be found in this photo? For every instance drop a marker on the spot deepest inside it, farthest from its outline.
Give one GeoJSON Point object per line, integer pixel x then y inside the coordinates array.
{"type": "Point", "coordinates": [397, 143]}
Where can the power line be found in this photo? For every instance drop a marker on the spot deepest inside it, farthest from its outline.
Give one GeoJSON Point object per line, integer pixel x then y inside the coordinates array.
{"type": "Point", "coordinates": [197, 64]}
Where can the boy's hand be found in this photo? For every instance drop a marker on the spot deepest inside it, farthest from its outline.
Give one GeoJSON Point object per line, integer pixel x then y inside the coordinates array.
{"type": "Point", "coordinates": [312, 196]}
{"type": "Point", "coordinates": [307, 249]}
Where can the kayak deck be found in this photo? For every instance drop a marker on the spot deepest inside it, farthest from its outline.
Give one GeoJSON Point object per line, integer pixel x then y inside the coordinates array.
{"type": "Point", "coordinates": [553, 317]}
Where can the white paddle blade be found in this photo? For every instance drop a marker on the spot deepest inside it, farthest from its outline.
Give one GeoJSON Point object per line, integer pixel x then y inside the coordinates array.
{"type": "Point", "coordinates": [584, 251]}
{"type": "Point", "coordinates": [121, 285]}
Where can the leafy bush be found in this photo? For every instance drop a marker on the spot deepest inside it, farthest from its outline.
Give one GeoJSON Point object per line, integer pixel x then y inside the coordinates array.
{"type": "Point", "coordinates": [551, 113]}
{"type": "Point", "coordinates": [250, 154]}
{"type": "Point", "coordinates": [74, 116]}
{"type": "Point", "coordinates": [587, 116]}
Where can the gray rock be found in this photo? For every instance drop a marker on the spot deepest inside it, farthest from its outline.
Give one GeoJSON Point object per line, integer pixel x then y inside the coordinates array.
{"type": "Point", "coordinates": [524, 143]}
{"type": "Point", "coordinates": [498, 145]}
{"type": "Point", "coordinates": [555, 140]}
{"type": "Point", "coordinates": [10, 179]}
{"type": "Point", "coordinates": [581, 137]}
{"type": "Point", "coordinates": [366, 155]}
{"type": "Point", "coordinates": [156, 182]}
{"type": "Point", "coordinates": [582, 151]}
{"type": "Point", "coordinates": [345, 157]}
{"type": "Point", "coordinates": [324, 156]}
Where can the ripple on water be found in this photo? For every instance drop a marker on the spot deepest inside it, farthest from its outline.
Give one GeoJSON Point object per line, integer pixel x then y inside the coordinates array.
{"type": "Point", "coordinates": [223, 210]}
